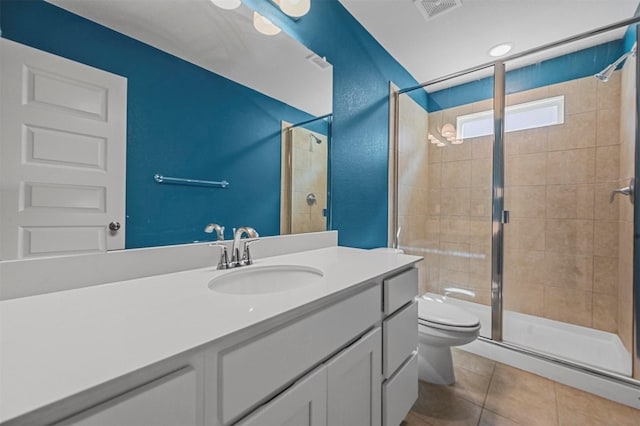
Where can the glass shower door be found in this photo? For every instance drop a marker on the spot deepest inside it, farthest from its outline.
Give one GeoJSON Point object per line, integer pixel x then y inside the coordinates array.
{"type": "Point", "coordinates": [568, 244]}
{"type": "Point", "coordinates": [444, 189]}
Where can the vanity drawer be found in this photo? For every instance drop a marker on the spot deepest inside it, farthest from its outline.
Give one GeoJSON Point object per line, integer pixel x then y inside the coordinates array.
{"type": "Point", "coordinates": [399, 290]}
{"type": "Point", "coordinates": [399, 337]}
{"type": "Point", "coordinates": [400, 392]}
{"type": "Point", "coordinates": [253, 371]}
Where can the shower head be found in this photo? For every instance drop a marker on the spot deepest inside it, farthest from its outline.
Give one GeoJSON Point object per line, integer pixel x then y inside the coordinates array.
{"type": "Point", "coordinates": [315, 138]}
{"type": "Point", "coordinates": [605, 74]}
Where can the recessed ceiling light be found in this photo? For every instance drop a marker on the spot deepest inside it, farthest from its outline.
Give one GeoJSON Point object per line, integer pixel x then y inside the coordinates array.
{"type": "Point", "coordinates": [500, 50]}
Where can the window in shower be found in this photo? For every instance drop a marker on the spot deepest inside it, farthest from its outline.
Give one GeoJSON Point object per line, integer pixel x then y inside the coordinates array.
{"type": "Point", "coordinates": [524, 116]}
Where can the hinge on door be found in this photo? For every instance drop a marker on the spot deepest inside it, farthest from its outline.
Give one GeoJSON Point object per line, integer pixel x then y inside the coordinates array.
{"type": "Point", "coordinates": [505, 216]}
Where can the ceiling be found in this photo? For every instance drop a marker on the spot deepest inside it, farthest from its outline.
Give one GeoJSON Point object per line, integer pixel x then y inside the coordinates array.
{"type": "Point", "coordinates": [221, 41]}
{"type": "Point", "coordinates": [461, 37]}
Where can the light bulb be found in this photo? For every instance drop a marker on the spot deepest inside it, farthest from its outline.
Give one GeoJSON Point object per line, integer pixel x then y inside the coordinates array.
{"type": "Point", "coordinates": [448, 130]}
{"type": "Point", "coordinates": [264, 25]}
{"type": "Point", "coordinates": [457, 141]}
{"type": "Point", "coordinates": [295, 8]}
{"type": "Point", "coordinates": [227, 4]}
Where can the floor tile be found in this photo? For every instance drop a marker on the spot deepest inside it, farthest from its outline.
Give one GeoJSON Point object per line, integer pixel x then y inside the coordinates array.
{"type": "Point", "coordinates": [472, 362]}
{"type": "Point", "coordinates": [413, 419]}
{"type": "Point", "coordinates": [441, 406]}
{"type": "Point", "coordinates": [575, 406]}
{"type": "Point", "coordinates": [489, 418]}
{"type": "Point", "coordinates": [522, 397]}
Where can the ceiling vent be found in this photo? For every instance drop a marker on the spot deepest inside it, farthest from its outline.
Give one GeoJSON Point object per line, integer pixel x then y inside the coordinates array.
{"type": "Point", "coordinates": [318, 61]}
{"type": "Point", "coordinates": [433, 8]}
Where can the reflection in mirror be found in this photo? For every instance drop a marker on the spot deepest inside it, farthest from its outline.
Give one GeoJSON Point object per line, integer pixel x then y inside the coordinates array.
{"type": "Point", "coordinates": [204, 97]}
{"type": "Point", "coordinates": [305, 191]}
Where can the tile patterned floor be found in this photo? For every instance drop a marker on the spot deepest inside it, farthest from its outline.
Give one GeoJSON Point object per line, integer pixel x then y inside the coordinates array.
{"type": "Point", "coordinates": [487, 393]}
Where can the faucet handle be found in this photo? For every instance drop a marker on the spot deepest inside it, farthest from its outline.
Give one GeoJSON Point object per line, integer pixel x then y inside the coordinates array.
{"type": "Point", "coordinates": [223, 262]}
{"type": "Point", "coordinates": [246, 258]}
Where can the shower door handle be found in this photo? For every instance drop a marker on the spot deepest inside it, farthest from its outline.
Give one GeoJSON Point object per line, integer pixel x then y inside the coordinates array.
{"type": "Point", "coordinates": [627, 190]}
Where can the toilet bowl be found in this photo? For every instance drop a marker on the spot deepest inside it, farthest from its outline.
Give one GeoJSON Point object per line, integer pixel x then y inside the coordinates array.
{"type": "Point", "coordinates": [441, 326]}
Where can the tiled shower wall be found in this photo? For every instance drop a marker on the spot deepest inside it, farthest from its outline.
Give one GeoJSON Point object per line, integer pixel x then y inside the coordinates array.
{"type": "Point", "coordinates": [309, 175]}
{"type": "Point", "coordinates": [625, 248]}
{"type": "Point", "coordinates": [562, 244]}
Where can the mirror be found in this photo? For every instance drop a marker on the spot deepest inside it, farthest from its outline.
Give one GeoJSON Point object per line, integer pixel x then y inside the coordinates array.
{"type": "Point", "coordinates": [306, 187]}
{"type": "Point", "coordinates": [206, 96]}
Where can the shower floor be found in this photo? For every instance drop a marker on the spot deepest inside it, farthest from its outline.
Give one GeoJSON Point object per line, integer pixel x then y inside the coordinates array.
{"type": "Point", "coordinates": [581, 345]}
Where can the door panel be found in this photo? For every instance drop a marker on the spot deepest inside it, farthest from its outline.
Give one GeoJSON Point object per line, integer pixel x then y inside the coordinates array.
{"type": "Point", "coordinates": [62, 155]}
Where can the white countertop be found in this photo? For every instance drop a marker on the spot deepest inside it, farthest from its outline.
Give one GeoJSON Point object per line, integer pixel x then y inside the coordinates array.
{"type": "Point", "coordinates": [55, 345]}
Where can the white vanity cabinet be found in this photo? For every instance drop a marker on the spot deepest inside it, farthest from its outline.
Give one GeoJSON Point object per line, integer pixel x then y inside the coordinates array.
{"type": "Point", "coordinates": [344, 361]}
{"type": "Point", "coordinates": [400, 343]}
{"type": "Point", "coordinates": [173, 397]}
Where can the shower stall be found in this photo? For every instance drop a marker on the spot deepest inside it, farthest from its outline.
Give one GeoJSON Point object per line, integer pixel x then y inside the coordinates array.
{"type": "Point", "coordinates": [515, 181]}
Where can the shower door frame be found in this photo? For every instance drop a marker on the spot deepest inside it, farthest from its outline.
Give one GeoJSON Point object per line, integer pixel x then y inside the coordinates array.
{"type": "Point", "coordinates": [498, 212]}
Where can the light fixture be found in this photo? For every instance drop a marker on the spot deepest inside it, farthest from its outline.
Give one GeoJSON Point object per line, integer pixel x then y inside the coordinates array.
{"type": "Point", "coordinates": [295, 8]}
{"type": "Point", "coordinates": [264, 25]}
{"type": "Point", "coordinates": [447, 136]}
{"type": "Point", "coordinates": [227, 4]}
{"type": "Point", "coordinates": [500, 50]}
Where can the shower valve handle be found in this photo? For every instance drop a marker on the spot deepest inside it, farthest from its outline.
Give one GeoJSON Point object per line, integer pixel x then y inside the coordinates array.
{"type": "Point", "coordinates": [627, 190]}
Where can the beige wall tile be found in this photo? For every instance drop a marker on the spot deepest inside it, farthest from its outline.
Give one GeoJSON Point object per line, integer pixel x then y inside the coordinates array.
{"type": "Point", "coordinates": [525, 234]}
{"type": "Point", "coordinates": [481, 173]}
{"type": "Point", "coordinates": [479, 231]}
{"type": "Point", "coordinates": [434, 174]}
{"type": "Point", "coordinates": [527, 96]}
{"type": "Point", "coordinates": [608, 163]}
{"type": "Point", "coordinates": [571, 167]}
{"type": "Point", "coordinates": [433, 201]}
{"type": "Point", "coordinates": [454, 230]}
{"type": "Point", "coordinates": [569, 271]}
{"type": "Point", "coordinates": [605, 275]}
{"type": "Point", "coordinates": [578, 131]}
{"type": "Point", "coordinates": [608, 128]}
{"type": "Point", "coordinates": [604, 209]}
{"type": "Point", "coordinates": [435, 153]}
{"type": "Point", "coordinates": [480, 263]}
{"type": "Point", "coordinates": [526, 201]}
{"type": "Point", "coordinates": [456, 202]}
{"type": "Point", "coordinates": [524, 298]}
{"type": "Point", "coordinates": [481, 203]}
{"type": "Point", "coordinates": [572, 306]}
{"type": "Point", "coordinates": [569, 236]}
{"type": "Point", "coordinates": [606, 239]}
{"type": "Point", "coordinates": [529, 169]}
{"type": "Point", "coordinates": [605, 313]}
{"type": "Point", "coordinates": [481, 147]}
{"type": "Point", "coordinates": [609, 92]}
{"type": "Point", "coordinates": [526, 141]}
{"type": "Point", "coordinates": [456, 152]}
{"type": "Point", "coordinates": [524, 266]}
{"type": "Point", "coordinates": [570, 201]}
{"type": "Point", "coordinates": [456, 174]}
{"type": "Point", "coordinates": [579, 95]}
{"type": "Point", "coordinates": [455, 256]}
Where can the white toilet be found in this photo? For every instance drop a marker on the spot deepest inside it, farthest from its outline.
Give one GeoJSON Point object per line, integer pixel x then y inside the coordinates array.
{"type": "Point", "coordinates": [441, 326]}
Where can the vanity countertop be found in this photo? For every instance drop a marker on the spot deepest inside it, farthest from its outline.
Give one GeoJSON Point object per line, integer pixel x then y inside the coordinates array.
{"type": "Point", "coordinates": [55, 345]}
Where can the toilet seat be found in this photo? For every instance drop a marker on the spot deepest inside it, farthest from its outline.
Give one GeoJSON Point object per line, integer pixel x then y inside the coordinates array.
{"type": "Point", "coordinates": [434, 313]}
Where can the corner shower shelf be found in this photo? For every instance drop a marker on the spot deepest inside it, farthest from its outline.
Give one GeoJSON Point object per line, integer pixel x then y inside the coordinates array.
{"type": "Point", "coordinates": [190, 182]}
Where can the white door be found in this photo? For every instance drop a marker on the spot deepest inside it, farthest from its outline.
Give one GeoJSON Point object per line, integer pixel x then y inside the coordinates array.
{"type": "Point", "coordinates": [62, 155]}
{"type": "Point", "coordinates": [354, 383]}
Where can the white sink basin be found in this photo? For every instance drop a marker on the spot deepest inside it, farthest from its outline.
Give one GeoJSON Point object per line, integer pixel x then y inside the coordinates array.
{"type": "Point", "coordinates": [265, 279]}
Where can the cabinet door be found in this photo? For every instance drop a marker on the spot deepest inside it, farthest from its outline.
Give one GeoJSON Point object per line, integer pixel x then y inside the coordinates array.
{"type": "Point", "coordinates": [304, 404]}
{"type": "Point", "coordinates": [355, 377]}
{"type": "Point", "coordinates": [171, 400]}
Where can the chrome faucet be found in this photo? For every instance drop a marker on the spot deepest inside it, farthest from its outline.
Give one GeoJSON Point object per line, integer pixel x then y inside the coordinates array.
{"type": "Point", "coordinates": [215, 227]}
{"type": "Point", "coordinates": [245, 259]}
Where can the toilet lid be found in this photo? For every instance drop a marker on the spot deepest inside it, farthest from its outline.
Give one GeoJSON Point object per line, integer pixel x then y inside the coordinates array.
{"type": "Point", "coordinates": [435, 311]}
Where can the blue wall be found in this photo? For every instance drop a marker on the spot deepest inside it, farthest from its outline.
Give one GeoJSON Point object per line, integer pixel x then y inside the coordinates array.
{"type": "Point", "coordinates": [582, 63]}
{"type": "Point", "coordinates": [183, 121]}
{"type": "Point", "coordinates": [362, 70]}
{"type": "Point", "coordinates": [178, 124]}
